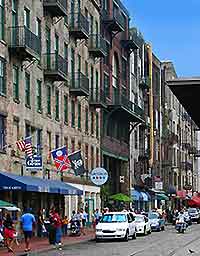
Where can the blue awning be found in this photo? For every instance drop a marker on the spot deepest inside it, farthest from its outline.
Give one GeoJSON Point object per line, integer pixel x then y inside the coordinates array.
{"type": "Point", "coordinates": [136, 195]}
{"type": "Point", "coordinates": [10, 181]}
{"type": "Point", "coordinates": [144, 196]}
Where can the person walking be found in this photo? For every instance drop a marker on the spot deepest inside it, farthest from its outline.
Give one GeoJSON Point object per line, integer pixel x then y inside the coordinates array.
{"type": "Point", "coordinates": [57, 223]}
{"type": "Point", "coordinates": [28, 224]}
{"type": "Point", "coordinates": [65, 223]}
{"type": "Point", "coordinates": [40, 223]}
{"type": "Point", "coordinates": [9, 232]}
{"type": "Point", "coordinates": [83, 221]}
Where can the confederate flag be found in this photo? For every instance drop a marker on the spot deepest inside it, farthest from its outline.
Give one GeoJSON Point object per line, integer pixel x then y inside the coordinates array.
{"type": "Point", "coordinates": [60, 157]}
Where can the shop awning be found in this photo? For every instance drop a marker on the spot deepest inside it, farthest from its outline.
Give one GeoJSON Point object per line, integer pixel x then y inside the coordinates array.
{"type": "Point", "coordinates": [194, 202]}
{"type": "Point", "coordinates": [162, 197]}
{"type": "Point", "coordinates": [9, 181]}
{"type": "Point", "coordinates": [144, 196]}
{"type": "Point", "coordinates": [136, 195]}
{"type": "Point", "coordinates": [181, 194]}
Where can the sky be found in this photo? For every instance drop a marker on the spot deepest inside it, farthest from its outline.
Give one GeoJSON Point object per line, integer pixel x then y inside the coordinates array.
{"type": "Point", "coordinates": [173, 28]}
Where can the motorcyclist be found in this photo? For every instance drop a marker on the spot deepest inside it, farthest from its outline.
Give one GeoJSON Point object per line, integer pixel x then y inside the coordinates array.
{"type": "Point", "coordinates": [181, 217]}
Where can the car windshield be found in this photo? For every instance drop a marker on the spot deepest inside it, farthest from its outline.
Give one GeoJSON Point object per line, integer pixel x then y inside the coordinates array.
{"type": "Point", "coordinates": [192, 210]}
{"type": "Point", "coordinates": [153, 216]}
{"type": "Point", "coordinates": [139, 219]}
{"type": "Point", "coordinates": [113, 218]}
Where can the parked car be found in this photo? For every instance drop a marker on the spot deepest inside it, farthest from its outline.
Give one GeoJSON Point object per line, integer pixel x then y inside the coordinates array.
{"type": "Point", "coordinates": [116, 225]}
{"type": "Point", "coordinates": [157, 221]}
{"type": "Point", "coordinates": [194, 214]}
{"type": "Point", "coordinates": [143, 224]}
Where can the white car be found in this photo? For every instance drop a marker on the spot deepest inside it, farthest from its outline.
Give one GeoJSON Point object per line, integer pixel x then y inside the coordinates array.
{"type": "Point", "coordinates": [143, 224]}
{"type": "Point", "coordinates": [116, 225]}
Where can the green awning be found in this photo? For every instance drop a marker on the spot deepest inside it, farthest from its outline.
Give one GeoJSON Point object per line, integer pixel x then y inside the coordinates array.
{"type": "Point", "coordinates": [4, 204]}
{"type": "Point", "coordinates": [115, 156]}
{"type": "Point", "coordinates": [162, 197]}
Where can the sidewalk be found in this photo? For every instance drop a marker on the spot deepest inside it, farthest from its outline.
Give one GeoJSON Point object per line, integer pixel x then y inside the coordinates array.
{"type": "Point", "coordinates": [39, 245]}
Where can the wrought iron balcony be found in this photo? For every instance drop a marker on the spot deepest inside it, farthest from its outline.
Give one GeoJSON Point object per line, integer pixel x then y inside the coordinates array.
{"type": "Point", "coordinates": [114, 22]}
{"type": "Point", "coordinates": [98, 98]}
{"type": "Point", "coordinates": [194, 151]}
{"type": "Point", "coordinates": [79, 26]}
{"type": "Point", "coordinates": [144, 83]}
{"type": "Point", "coordinates": [97, 45]}
{"type": "Point", "coordinates": [23, 43]}
{"type": "Point", "coordinates": [133, 112]}
{"type": "Point", "coordinates": [55, 67]}
{"type": "Point", "coordinates": [79, 85]}
{"type": "Point", "coordinates": [56, 8]}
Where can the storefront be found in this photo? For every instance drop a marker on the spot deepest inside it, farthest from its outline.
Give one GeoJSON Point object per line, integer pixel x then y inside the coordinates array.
{"type": "Point", "coordinates": [35, 193]}
{"type": "Point", "coordinates": [141, 200]}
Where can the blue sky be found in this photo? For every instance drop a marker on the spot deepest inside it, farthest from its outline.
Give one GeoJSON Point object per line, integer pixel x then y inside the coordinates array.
{"type": "Point", "coordinates": [173, 28]}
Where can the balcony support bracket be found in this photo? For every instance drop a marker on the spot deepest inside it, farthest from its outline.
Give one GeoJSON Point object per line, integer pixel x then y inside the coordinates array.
{"type": "Point", "coordinates": [23, 67]}
{"type": "Point", "coordinates": [57, 20]}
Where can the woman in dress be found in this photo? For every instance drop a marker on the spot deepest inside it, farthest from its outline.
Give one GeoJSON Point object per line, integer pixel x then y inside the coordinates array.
{"type": "Point", "coordinates": [8, 232]}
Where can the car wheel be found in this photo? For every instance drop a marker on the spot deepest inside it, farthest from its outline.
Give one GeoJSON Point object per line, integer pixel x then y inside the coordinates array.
{"type": "Point", "coordinates": [163, 228]}
{"type": "Point", "coordinates": [134, 235]}
{"type": "Point", "coordinates": [149, 231]}
{"type": "Point", "coordinates": [126, 236]}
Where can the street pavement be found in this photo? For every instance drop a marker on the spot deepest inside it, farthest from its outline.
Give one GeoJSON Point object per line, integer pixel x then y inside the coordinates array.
{"type": "Point", "coordinates": [164, 243]}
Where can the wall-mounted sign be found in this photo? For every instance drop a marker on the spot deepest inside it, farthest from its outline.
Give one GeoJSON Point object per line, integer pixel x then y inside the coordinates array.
{"type": "Point", "coordinates": [121, 179]}
{"type": "Point", "coordinates": [158, 185]}
{"type": "Point", "coordinates": [99, 176]}
{"type": "Point", "coordinates": [34, 163]}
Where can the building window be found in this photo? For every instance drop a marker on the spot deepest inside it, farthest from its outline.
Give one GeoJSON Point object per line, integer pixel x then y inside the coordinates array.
{"type": "Point", "coordinates": [136, 139]}
{"type": "Point", "coordinates": [124, 69]}
{"type": "Point", "coordinates": [27, 90]}
{"type": "Point", "coordinates": [79, 145]}
{"type": "Point", "coordinates": [106, 85]}
{"type": "Point", "coordinates": [49, 140]}
{"type": "Point", "coordinates": [97, 125]}
{"type": "Point", "coordinates": [66, 142]}
{"type": "Point", "coordinates": [15, 82]}
{"type": "Point", "coordinates": [79, 116]}
{"type": "Point", "coordinates": [92, 123]}
{"type": "Point", "coordinates": [86, 156]}
{"type": "Point", "coordinates": [72, 145]}
{"type": "Point", "coordinates": [2, 76]}
{"type": "Point", "coordinates": [27, 130]}
{"type": "Point", "coordinates": [48, 100]}
{"type": "Point", "coordinates": [2, 132]}
{"type": "Point", "coordinates": [39, 96]}
{"type": "Point", "coordinates": [86, 120]}
{"type": "Point", "coordinates": [57, 141]}
{"type": "Point", "coordinates": [66, 56]}
{"type": "Point", "coordinates": [66, 109]}
{"type": "Point", "coordinates": [72, 113]}
{"type": "Point", "coordinates": [2, 18]}
{"type": "Point", "coordinates": [106, 58]}
{"type": "Point", "coordinates": [92, 157]}
{"type": "Point", "coordinates": [26, 18]}
{"type": "Point", "coordinates": [86, 68]}
{"type": "Point", "coordinates": [38, 27]}
{"type": "Point", "coordinates": [97, 157]}
{"type": "Point", "coordinates": [39, 141]}
{"type": "Point", "coordinates": [57, 105]}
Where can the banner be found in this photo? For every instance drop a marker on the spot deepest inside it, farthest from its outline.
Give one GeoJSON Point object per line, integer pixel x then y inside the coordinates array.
{"type": "Point", "coordinates": [34, 162]}
{"type": "Point", "coordinates": [77, 163]}
{"type": "Point", "coordinates": [61, 159]}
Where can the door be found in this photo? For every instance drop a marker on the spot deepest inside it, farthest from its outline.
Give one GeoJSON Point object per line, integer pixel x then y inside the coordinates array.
{"type": "Point", "coordinates": [48, 47]}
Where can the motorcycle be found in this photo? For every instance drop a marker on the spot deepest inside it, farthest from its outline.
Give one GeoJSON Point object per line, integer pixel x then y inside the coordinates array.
{"type": "Point", "coordinates": [181, 226]}
{"type": "Point", "coordinates": [75, 228]}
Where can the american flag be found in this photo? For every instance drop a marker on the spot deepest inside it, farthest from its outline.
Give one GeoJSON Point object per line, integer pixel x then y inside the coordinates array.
{"type": "Point", "coordinates": [25, 145]}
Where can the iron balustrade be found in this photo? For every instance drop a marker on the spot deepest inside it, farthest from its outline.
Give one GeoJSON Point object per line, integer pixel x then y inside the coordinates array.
{"type": "Point", "coordinates": [145, 82]}
{"type": "Point", "coordinates": [79, 81]}
{"type": "Point", "coordinates": [116, 18]}
{"type": "Point", "coordinates": [79, 22]}
{"type": "Point", "coordinates": [97, 42]}
{"type": "Point", "coordinates": [22, 37]}
{"type": "Point", "coordinates": [61, 3]}
{"type": "Point", "coordinates": [97, 96]}
{"type": "Point", "coordinates": [54, 62]}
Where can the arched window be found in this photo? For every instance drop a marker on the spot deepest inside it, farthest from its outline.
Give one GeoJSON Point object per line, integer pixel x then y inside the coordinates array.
{"type": "Point", "coordinates": [115, 73]}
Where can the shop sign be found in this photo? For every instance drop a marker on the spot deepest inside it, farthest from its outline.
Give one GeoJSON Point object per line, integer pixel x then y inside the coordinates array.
{"type": "Point", "coordinates": [34, 162]}
{"type": "Point", "coordinates": [99, 176]}
{"type": "Point", "coordinates": [158, 185]}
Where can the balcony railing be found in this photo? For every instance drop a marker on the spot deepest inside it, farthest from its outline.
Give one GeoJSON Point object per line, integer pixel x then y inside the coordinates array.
{"type": "Point", "coordinates": [24, 43]}
{"type": "Point", "coordinates": [114, 22]}
{"type": "Point", "coordinates": [56, 7]}
{"type": "Point", "coordinates": [79, 85]}
{"type": "Point", "coordinates": [97, 45]}
{"type": "Point", "coordinates": [79, 26]}
{"type": "Point", "coordinates": [55, 67]}
{"type": "Point", "coordinates": [144, 83]}
{"type": "Point", "coordinates": [136, 113]}
{"type": "Point", "coordinates": [98, 98]}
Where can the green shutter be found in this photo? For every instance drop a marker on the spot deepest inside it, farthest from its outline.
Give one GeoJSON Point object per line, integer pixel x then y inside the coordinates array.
{"type": "Point", "coordinates": [57, 104]}
{"type": "Point", "coordinates": [66, 109]}
{"type": "Point", "coordinates": [15, 82]}
{"type": "Point", "coordinates": [79, 116]}
{"type": "Point", "coordinates": [2, 19]}
{"type": "Point", "coordinates": [97, 125]}
{"type": "Point", "coordinates": [72, 113]}
{"type": "Point", "coordinates": [27, 89]}
{"type": "Point", "coordinates": [92, 123]}
{"type": "Point", "coordinates": [39, 95]}
{"type": "Point", "coordinates": [86, 120]}
{"type": "Point", "coordinates": [48, 100]}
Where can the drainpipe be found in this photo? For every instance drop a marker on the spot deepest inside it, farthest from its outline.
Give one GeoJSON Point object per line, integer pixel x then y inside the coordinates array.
{"type": "Point", "coordinates": [149, 51]}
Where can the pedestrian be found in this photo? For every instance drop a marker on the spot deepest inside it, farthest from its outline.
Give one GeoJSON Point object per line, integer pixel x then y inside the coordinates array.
{"type": "Point", "coordinates": [40, 223]}
{"type": "Point", "coordinates": [57, 223]}
{"type": "Point", "coordinates": [8, 232]}
{"type": "Point", "coordinates": [65, 223]}
{"type": "Point", "coordinates": [28, 224]}
{"type": "Point", "coordinates": [97, 216]}
{"type": "Point", "coordinates": [84, 217]}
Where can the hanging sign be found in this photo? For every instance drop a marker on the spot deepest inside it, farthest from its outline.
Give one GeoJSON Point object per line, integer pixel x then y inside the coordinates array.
{"type": "Point", "coordinates": [99, 176]}
{"type": "Point", "coordinates": [34, 162]}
